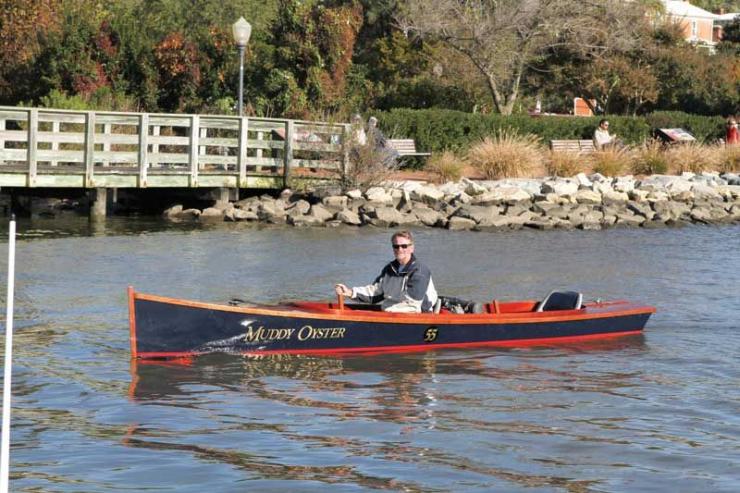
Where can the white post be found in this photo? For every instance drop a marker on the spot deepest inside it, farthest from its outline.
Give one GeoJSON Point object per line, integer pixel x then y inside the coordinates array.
{"type": "Point", "coordinates": [5, 452]}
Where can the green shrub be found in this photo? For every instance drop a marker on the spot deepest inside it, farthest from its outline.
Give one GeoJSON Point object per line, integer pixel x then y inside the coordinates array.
{"type": "Point", "coordinates": [706, 129]}
{"type": "Point", "coordinates": [439, 129]}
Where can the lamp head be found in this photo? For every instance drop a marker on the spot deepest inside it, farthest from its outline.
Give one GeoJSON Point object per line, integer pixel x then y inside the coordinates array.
{"type": "Point", "coordinates": [241, 30]}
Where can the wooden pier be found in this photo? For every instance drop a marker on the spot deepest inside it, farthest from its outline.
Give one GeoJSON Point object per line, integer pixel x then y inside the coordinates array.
{"type": "Point", "coordinates": [42, 147]}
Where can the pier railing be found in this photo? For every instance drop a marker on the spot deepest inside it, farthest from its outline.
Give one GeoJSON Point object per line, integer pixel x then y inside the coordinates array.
{"type": "Point", "coordinates": [41, 147]}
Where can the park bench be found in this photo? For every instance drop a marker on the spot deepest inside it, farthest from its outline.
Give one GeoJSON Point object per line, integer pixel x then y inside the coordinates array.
{"type": "Point", "coordinates": [577, 146]}
{"type": "Point", "coordinates": [405, 148]}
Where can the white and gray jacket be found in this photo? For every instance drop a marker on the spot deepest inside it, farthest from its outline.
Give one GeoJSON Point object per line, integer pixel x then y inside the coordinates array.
{"type": "Point", "coordinates": [410, 289]}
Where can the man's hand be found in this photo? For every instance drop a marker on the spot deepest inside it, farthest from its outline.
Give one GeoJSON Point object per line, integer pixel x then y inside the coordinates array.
{"type": "Point", "coordinates": [343, 290]}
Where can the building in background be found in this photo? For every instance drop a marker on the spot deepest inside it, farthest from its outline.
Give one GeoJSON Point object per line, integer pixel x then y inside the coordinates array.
{"type": "Point", "coordinates": [697, 24]}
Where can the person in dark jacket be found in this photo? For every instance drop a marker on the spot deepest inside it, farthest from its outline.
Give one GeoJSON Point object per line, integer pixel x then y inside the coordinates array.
{"type": "Point", "coordinates": [404, 285]}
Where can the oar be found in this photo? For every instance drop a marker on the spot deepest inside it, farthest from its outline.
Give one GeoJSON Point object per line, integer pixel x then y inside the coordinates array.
{"type": "Point", "coordinates": [340, 301]}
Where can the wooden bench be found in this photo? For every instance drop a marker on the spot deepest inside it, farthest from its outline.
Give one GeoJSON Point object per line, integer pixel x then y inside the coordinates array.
{"type": "Point", "coordinates": [577, 146]}
{"type": "Point", "coordinates": [405, 148]}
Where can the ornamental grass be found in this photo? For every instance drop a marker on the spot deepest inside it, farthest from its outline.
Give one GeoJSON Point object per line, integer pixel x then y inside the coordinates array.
{"type": "Point", "coordinates": [693, 158]}
{"type": "Point", "coordinates": [650, 159]}
{"type": "Point", "coordinates": [446, 166]}
{"type": "Point", "coordinates": [612, 161]}
{"type": "Point", "coordinates": [565, 163]}
{"type": "Point", "coordinates": [507, 155]}
{"type": "Point", "coordinates": [728, 159]}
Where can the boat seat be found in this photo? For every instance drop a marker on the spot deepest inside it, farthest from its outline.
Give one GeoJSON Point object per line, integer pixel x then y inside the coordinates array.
{"type": "Point", "coordinates": [560, 300]}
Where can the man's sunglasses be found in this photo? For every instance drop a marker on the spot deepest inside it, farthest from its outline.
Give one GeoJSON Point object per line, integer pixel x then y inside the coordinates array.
{"type": "Point", "coordinates": [402, 246]}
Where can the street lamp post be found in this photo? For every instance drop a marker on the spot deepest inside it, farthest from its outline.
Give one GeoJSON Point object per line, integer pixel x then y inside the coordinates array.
{"type": "Point", "coordinates": [241, 30]}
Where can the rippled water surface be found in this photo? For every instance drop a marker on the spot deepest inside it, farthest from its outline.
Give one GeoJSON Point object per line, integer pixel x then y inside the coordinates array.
{"type": "Point", "coordinates": [658, 412]}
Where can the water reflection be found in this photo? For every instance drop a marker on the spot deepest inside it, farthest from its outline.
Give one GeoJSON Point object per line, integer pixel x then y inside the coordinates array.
{"type": "Point", "coordinates": [410, 392]}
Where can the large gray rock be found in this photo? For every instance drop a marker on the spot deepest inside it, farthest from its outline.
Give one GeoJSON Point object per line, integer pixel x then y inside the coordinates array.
{"type": "Point", "coordinates": [563, 186]}
{"type": "Point", "coordinates": [503, 195]}
{"type": "Point", "coordinates": [705, 192]}
{"type": "Point", "coordinates": [335, 202]}
{"type": "Point", "coordinates": [472, 188]}
{"type": "Point", "coordinates": [478, 213]}
{"type": "Point", "coordinates": [642, 209]}
{"type": "Point", "coordinates": [320, 213]}
{"type": "Point", "coordinates": [427, 194]}
{"type": "Point", "coordinates": [302, 206]}
{"type": "Point", "coordinates": [639, 195]}
{"type": "Point", "coordinates": [665, 183]}
{"type": "Point", "coordinates": [211, 214]}
{"type": "Point", "coordinates": [349, 217]}
{"type": "Point", "coordinates": [624, 184]}
{"type": "Point", "coordinates": [671, 211]}
{"type": "Point", "coordinates": [354, 194]}
{"type": "Point", "coordinates": [173, 212]}
{"type": "Point", "coordinates": [304, 221]}
{"type": "Point", "coordinates": [582, 180]}
{"type": "Point", "coordinates": [271, 212]}
{"type": "Point", "coordinates": [615, 198]}
{"type": "Point", "coordinates": [386, 217]}
{"type": "Point", "coordinates": [627, 218]}
{"type": "Point", "coordinates": [531, 186]}
{"type": "Point", "coordinates": [429, 217]}
{"type": "Point", "coordinates": [460, 223]}
{"type": "Point", "coordinates": [378, 195]}
{"type": "Point", "coordinates": [586, 196]}
{"type": "Point", "coordinates": [729, 192]}
{"type": "Point", "coordinates": [242, 215]}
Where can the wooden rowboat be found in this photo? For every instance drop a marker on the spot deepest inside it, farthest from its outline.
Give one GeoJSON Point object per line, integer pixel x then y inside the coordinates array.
{"type": "Point", "coordinates": [164, 327]}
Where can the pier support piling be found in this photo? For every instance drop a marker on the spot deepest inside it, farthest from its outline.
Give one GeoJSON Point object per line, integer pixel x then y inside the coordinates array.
{"type": "Point", "coordinates": [98, 205]}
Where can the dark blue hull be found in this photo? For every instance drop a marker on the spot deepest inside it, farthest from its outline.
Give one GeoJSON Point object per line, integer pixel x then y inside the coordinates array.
{"type": "Point", "coordinates": [164, 327]}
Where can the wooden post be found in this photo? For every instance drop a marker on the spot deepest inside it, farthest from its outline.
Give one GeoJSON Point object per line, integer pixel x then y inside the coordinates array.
{"type": "Point", "coordinates": [89, 148]}
{"type": "Point", "coordinates": [193, 158]}
{"type": "Point", "coordinates": [241, 159]}
{"type": "Point", "coordinates": [202, 134]}
{"type": "Point", "coordinates": [98, 207]}
{"type": "Point", "coordinates": [156, 129]}
{"type": "Point", "coordinates": [288, 153]}
{"type": "Point", "coordinates": [2, 128]}
{"type": "Point", "coordinates": [107, 130]}
{"type": "Point", "coordinates": [346, 145]}
{"type": "Point", "coordinates": [260, 136]}
{"type": "Point", "coordinates": [33, 136]}
{"type": "Point", "coordinates": [143, 148]}
{"type": "Point", "coordinates": [55, 128]}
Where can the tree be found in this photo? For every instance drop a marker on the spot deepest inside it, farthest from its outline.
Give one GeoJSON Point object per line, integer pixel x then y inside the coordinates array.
{"type": "Point", "coordinates": [503, 38]}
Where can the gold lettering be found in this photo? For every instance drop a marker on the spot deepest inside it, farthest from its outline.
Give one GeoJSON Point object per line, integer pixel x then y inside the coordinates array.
{"type": "Point", "coordinates": [265, 335]}
{"type": "Point", "coordinates": [304, 332]}
{"type": "Point", "coordinates": [308, 332]}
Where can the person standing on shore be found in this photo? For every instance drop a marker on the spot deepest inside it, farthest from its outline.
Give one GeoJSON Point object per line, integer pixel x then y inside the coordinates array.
{"type": "Point", "coordinates": [732, 137]}
{"type": "Point", "coordinates": [404, 285]}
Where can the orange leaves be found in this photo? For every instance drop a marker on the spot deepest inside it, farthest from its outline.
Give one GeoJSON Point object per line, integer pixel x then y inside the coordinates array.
{"type": "Point", "coordinates": [176, 57]}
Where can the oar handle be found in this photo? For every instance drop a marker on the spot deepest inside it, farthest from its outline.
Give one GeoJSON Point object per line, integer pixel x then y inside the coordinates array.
{"type": "Point", "coordinates": [340, 301]}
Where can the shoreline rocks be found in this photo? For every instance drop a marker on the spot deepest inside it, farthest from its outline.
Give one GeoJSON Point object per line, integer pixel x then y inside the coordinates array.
{"type": "Point", "coordinates": [581, 202]}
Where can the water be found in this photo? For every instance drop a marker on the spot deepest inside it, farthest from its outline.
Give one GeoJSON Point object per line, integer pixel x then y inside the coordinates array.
{"type": "Point", "coordinates": [658, 412]}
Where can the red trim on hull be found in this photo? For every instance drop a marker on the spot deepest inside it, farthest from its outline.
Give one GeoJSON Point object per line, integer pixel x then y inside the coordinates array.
{"type": "Point", "coordinates": [420, 347]}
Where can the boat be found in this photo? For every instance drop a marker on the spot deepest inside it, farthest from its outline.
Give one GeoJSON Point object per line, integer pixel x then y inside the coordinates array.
{"type": "Point", "coordinates": [164, 327]}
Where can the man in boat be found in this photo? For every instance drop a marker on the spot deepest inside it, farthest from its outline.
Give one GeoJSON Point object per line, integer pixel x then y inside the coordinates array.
{"type": "Point", "coordinates": [404, 285]}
